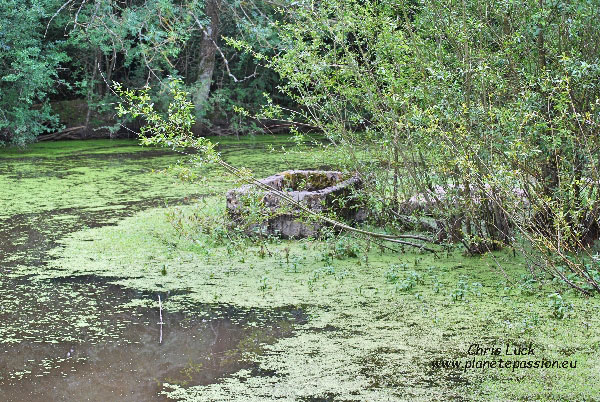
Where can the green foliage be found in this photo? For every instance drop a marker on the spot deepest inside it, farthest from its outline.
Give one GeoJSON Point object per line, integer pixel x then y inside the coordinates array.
{"type": "Point", "coordinates": [528, 285]}
{"type": "Point", "coordinates": [403, 283]}
{"type": "Point", "coordinates": [264, 284]}
{"type": "Point", "coordinates": [29, 66]}
{"type": "Point", "coordinates": [61, 50]}
{"type": "Point", "coordinates": [482, 117]}
{"type": "Point", "coordinates": [463, 289]}
{"type": "Point", "coordinates": [346, 247]}
{"type": "Point", "coordinates": [437, 285]}
{"type": "Point", "coordinates": [172, 130]}
{"type": "Point", "coordinates": [412, 279]}
{"type": "Point", "coordinates": [393, 275]}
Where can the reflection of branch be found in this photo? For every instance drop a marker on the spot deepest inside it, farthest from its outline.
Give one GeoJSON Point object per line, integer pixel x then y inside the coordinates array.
{"type": "Point", "coordinates": [215, 332]}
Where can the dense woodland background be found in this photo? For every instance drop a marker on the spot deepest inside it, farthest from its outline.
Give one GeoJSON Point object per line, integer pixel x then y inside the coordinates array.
{"type": "Point", "coordinates": [476, 121]}
{"type": "Point", "coordinates": [59, 58]}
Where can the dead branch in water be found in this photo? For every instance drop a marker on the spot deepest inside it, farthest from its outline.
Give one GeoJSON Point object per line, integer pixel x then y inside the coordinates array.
{"type": "Point", "coordinates": [66, 134]}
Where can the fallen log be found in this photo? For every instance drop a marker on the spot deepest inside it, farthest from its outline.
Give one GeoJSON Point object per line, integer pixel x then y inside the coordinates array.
{"type": "Point", "coordinates": [66, 134]}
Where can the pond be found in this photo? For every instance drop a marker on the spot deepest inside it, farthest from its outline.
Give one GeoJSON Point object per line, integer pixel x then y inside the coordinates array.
{"type": "Point", "coordinates": [92, 233]}
{"type": "Point", "coordinates": [75, 337]}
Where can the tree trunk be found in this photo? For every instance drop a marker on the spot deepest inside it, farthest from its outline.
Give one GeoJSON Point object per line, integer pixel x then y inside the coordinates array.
{"type": "Point", "coordinates": [90, 94]}
{"type": "Point", "coordinates": [207, 57]}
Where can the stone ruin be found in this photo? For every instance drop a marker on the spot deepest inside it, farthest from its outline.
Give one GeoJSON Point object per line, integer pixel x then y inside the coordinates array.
{"type": "Point", "coordinates": [318, 190]}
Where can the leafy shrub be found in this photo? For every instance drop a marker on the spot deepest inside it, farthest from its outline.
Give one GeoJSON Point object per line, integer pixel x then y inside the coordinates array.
{"type": "Point", "coordinates": [392, 275]}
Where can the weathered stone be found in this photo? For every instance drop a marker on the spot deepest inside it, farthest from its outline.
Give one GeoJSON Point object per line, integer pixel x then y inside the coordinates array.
{"type": "Point", "coordinates": [317, 190]}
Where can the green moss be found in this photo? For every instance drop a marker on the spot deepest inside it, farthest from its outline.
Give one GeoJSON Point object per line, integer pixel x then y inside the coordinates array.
{"type": "Point", "coordinates": [307, 182]}
{"type": "Point", "coordinates": [99, 173]}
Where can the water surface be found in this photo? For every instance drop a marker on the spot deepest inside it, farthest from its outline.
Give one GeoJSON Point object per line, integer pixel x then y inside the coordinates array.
{"type": "Point", "coordinates": [85, 337]}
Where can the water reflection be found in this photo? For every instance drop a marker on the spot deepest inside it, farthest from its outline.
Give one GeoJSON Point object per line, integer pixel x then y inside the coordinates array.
{"type": "Point", "coordinates": [88, 346]}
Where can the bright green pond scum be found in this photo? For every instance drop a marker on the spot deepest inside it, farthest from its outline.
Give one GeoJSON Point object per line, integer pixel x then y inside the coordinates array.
{"type": "Point", "coordinates": [88, 242]}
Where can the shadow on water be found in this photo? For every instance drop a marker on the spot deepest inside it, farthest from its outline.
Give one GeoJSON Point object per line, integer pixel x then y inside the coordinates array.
{"type": "Point", "coordinates": [85, 338]}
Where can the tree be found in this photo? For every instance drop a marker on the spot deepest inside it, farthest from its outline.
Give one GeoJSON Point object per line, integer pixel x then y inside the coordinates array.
{"type": "Point", "coordinates": [487, 112]}
{"type": "Point", "coordinates": [144, 43]}
{"type": "Point", "coordinates": [29, 65]}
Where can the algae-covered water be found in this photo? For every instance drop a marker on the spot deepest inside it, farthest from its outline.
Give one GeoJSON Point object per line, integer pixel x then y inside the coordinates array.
{"type": "Point", "coordinates": [74, 337]}
{"type": "Point", "coordinates": [91, 235]}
